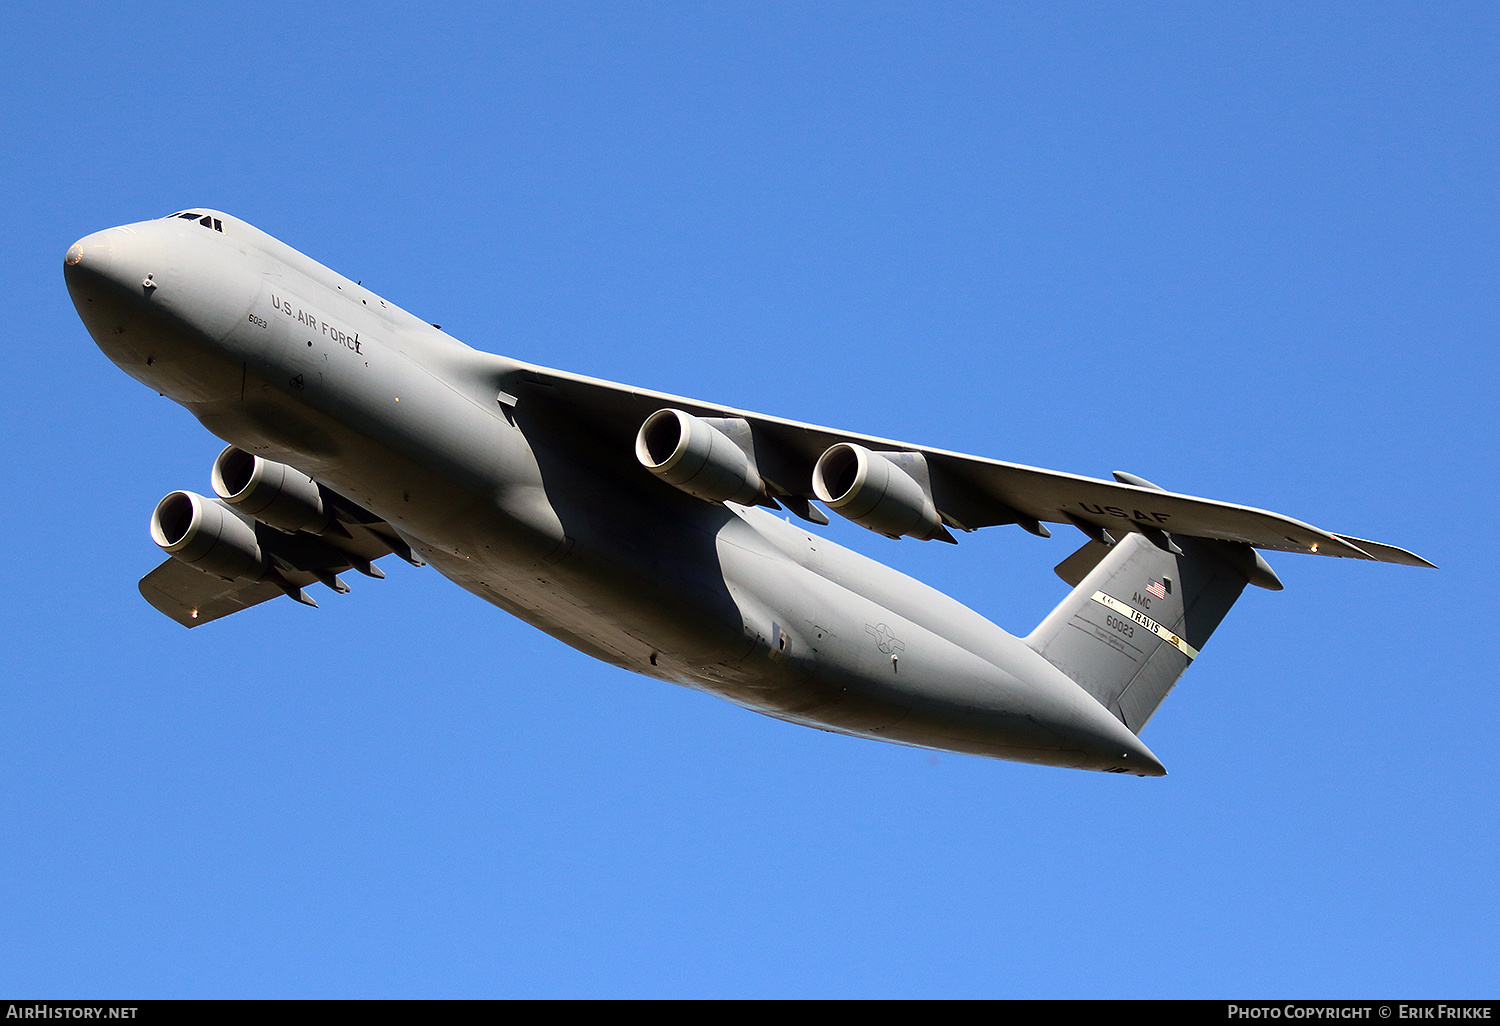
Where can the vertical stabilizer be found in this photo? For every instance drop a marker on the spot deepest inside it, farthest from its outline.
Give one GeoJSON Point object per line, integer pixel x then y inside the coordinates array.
{"type": "Point", "coordinates": [1139, 617]}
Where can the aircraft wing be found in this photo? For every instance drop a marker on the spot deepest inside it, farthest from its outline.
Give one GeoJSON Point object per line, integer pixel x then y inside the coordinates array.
{"type": "Point", "coordinates": [969, 491]}
{"type": "Point", "coordinates": [193, 597]}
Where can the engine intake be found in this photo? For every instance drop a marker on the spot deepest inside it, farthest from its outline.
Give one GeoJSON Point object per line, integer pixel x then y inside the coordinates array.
{"type": "Point", "coordinates": [879, 490]}
{"type": "Point", "coordinates": [698, 456]}
{"type": "Point", "coordinates": [272, 493]}
{"type": "Point", "coordinates": [210, 536]}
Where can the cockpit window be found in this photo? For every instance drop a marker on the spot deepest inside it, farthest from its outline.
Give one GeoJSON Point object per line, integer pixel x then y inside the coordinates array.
{"type": "Point", "coordinates": [206, 220]}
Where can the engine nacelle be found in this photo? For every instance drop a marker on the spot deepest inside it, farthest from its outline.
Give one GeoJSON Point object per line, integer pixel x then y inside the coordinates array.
{"type": "Point", "coordinates": [272, 493]}
{"type": "Point", "coordinates": [698, 457]}
{"type": "Point", "coordinates": [874, 490]}
{"type": "Point", "coordinates": [208, 535]}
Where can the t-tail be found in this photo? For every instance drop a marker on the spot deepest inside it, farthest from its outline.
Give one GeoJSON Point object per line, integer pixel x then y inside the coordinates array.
{"type": "Point", "coordinates": [1140, 612]}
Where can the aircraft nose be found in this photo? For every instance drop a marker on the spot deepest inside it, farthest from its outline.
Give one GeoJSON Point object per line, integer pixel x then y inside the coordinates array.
{"type": "Point", "coordinates": [91, 250]}
{"type": "Point", "coordinates": [111, 260]}
{"type": "Point", "coordinates": [91, 261]}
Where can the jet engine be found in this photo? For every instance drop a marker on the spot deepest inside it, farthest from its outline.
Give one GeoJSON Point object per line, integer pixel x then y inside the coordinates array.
{"type": "Point", "coordinates": [210, 536]}
{"type": "Point", "coordinates": [698, 456]}
{"type": "Point", "coordinates": [879, 490]}
{"type": "Point", "coordinates": [272, 493]}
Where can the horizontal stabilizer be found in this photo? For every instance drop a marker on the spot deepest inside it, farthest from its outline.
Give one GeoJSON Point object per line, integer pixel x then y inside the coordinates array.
{"type": "Point", "coordinates": [1077, 566]}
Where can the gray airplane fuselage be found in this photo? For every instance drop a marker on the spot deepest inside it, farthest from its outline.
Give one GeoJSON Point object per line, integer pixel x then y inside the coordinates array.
{"type": "Point", "coordinates": [516, 500]}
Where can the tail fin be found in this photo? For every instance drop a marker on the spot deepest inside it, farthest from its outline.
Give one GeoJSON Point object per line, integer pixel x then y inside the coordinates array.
{"type": "Point", "coordinates": [1137, 619]}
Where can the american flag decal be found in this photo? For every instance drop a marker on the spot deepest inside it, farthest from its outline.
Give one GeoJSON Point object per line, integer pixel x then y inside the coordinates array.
{"type": "Point", "coordinates": [1157, 588]}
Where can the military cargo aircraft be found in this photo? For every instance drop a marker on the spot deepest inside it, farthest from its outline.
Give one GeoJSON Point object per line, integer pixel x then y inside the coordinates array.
{"type": "Point", "coordinates": [637, 526]}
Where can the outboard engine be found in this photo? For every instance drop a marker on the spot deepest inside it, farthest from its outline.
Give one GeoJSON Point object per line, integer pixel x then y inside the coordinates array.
{"type": "Point", "coordinates": [879, 490]}
{"type": "Point", "coordinates": [207, 534]}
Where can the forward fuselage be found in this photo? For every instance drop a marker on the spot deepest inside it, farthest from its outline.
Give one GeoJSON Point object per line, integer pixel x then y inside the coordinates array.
{"type": "Point", "coordinates": [513, 499]}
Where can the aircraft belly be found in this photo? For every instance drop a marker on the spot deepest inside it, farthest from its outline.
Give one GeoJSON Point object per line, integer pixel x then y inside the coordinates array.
{"type": "Point", "coordinates": [653, 610]}
{"type": "Point", "coordinates": [831, 657]}
{"type": "Point", "coordinates": [797, 646]}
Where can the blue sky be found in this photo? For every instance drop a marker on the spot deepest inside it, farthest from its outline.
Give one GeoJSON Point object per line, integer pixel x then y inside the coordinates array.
{"type": "Point", "coordinates": [1247, 251]}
